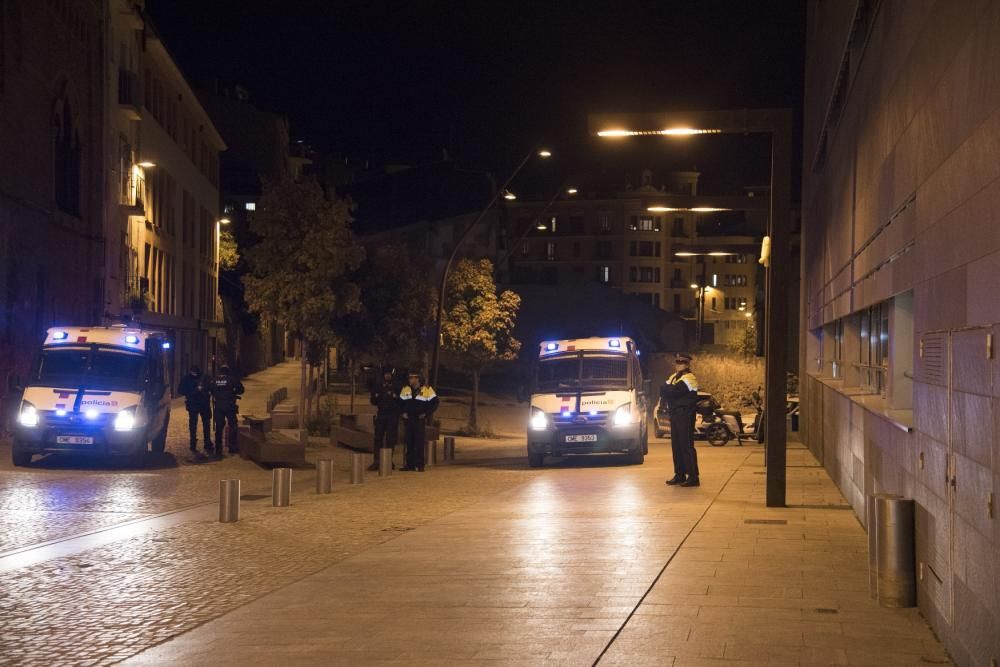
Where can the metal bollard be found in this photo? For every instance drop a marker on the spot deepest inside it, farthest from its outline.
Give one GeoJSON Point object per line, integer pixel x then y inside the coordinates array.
{"type": "Point", "coordinates": [385, 462]}
{"type": "Point", "coordinates": [430, 452]}
{"type": "Point", "coordinates": [281, 487]}
{"type": "Point", "coordinates": [895, 555]}
{"type": "Point", "coordinates": [357, 468]}
{"type": "Point", "coordinates": [872, 546]}
{"type": "Point", "coordinates": [324, 476]}
{"type": "Point", "coordinates": [229, 500]}
{"type": "Point", "coordinates": [449, 448]}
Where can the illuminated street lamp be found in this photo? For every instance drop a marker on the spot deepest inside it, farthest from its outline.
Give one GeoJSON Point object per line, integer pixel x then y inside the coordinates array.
{"type": "Point", "coordinates": [147, 164]}
{"type": "Point", "coordinates": [509, 196]}
{"type": "Point", "coordinates": [571, 191]}
{"type": "Point", "coordinates": [224, 221]}
{"type": "Point", "coordinates": [503, 190]}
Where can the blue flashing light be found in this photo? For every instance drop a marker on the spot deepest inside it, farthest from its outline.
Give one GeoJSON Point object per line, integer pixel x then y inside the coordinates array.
{"type": "Point", "coordinates": [614, 342]}
{"type": "Point", "coordinates": [132, 339]}
{"type": "Point", "coordinates": [638, 353]}
{"type": "Point", "coordinates": [593, 413]}
{"type": "Point", "coordinates": [166, 345]}
{"type": "Point", "coordinates": [60, 335]}
{"type": "Point", "coordinates": [566, 413]}
{"type": "Point", "coordinates": [551, 347]}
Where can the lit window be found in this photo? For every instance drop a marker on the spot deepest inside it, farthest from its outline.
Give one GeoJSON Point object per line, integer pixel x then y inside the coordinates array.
{"type": "Point", "coordinates": [715, 280]}
{"type": "Point", "coordinates": [604, 274]}
{"type": "Point", "coordinates": [550, 248]}
{"type": "Point", "coordinates": [250, 206]}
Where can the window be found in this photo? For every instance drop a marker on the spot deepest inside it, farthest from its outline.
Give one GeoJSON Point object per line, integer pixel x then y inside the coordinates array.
{"type": "Point", "coordinates": [873, 358]}
{"type": "Point", "coordinates": [576, 248]}
{"type": "Point", "coordinates": [524, 248]}
{"type": "Point", "coordinates": [67, 160]}
{"type": "Point", "coordinates": [604, 221]}
{"type": "Point", "coordinates": [576, 225]}
{"type": "Point", "coordinates": [644, 274]}
{"type": "Point", "coordinates": [603, 250]}
{"type": "Point", "coordinates": [552, 224]}
{"type": "Point", "coordinates": [250, 206]}
{"type": "Point", "coordinates": [633, 248]}
{"type": "Point", "coordinates": [678, 227]}
{"type": "Point", "coordinates": [550, 248]}
{"type": "Point", "coordinates": [715, 280]}
{"type": "Point", "coordinates": [604, 274]}
{"type": "Point", "coordinates": [646, 223]}
{"type": "Point", "coordinates": [677, 303]}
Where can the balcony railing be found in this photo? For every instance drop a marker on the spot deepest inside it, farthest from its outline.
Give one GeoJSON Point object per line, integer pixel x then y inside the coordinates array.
{"type": "Point", "coordinates": [132, 193]}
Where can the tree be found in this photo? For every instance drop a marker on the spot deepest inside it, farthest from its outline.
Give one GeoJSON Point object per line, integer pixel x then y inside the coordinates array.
{"type": "Point", "coordinates": [478, 323]}
{"type": "Point", "coordinates": [300, 265]}
{"type": "Point", "coordinates": [391, 325]}
{"type": "Point", "coordinates": [745, 345]}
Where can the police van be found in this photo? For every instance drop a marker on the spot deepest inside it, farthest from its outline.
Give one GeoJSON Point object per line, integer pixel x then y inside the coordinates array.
{"type": "Point", "coordinates": [100, 390]}
{"type": "Point", "coordinates": [588, 397]}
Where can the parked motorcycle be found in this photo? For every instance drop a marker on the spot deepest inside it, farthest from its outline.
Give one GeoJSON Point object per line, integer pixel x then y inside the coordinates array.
{"type": "Point", "coordinates": [714, 424]}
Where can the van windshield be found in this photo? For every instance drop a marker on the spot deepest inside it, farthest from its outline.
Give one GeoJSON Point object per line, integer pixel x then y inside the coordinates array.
{"type": "Point", "coordinates": [583, 371]}
{"type": "Point", "coordinates": [94, 368]}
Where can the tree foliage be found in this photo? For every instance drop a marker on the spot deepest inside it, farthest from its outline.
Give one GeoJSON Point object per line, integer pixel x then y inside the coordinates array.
{"type": "Point", "coordinates": [300, 266]}
{"type": "Point", "coordinates": [392, 322]}
{"type": "Point", "coordinates": [478, 324]}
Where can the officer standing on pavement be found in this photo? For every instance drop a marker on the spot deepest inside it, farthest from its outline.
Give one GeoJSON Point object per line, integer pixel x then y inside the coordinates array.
{"type": "Point", "coordinates": [198, 402]}
{"type": "Point", "coordinates": [385, 397]}
{"type": "Point", "coordinates": [226, 389]}
{"type": "Point", "coordinates": [681, 393]}
{"type": "Point", "coordinates": [417, 402]}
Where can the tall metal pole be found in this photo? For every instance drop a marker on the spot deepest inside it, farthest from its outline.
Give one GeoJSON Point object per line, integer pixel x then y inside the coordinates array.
{"type": "Point", "coordinates": [776, 341]}
{"type": "Point", "coordinates": [451, 258]}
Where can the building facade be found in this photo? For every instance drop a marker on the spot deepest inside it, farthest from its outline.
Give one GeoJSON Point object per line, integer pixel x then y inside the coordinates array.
{"type": "Point", "coordinates": [644, 242]}
{"type": "Point", "coordinates": [52, 172]}
{"type": "Point", "coordinates": [901, 248]}
{"type": "Point", "coordinates": [162, 217]}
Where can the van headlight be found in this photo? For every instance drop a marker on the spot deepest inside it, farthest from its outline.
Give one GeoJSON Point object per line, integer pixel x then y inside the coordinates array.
{"type": "Point", "coordinates": [125, 420]}
{"type": "Point", "coordinates": [623, 415]}
{"type": "Point", "coordinates": [538, 421]}
{"type": "Point", "coordinates": [28, 416]}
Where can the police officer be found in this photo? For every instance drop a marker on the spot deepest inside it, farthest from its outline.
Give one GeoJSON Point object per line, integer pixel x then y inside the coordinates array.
{"type": "Point", "coordinates": [226, 389]}
{"type": "Point", "coordinates": [417, 403]}
{"type": "Point", "coordinates": [198, 402]}
{"type": "Point", "coordinates": [385, 397]}
{"type": "Point", "coordinates": [681, 393]}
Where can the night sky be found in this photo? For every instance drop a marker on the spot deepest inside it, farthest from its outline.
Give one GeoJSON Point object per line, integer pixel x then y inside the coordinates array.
{"type": "Point", "coordinates": [400, 81]}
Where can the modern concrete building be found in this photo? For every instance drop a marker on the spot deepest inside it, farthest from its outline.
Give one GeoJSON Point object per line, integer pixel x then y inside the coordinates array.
{"type": "Point", "coordinates": [901, 251]}
{"type": "Point", "coordinates": [647, 241]}
{"type": "Point", "coordinates": [52, 165]}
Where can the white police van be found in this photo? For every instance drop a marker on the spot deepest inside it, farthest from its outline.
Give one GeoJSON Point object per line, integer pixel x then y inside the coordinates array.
{"type": "Point", "coordinates": [588, 397]}
{"type": "Point", "coordinates": [101, 390]}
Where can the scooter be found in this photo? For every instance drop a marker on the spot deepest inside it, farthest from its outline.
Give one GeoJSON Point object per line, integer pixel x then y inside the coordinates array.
{"type": "Point", "coordinates": [719, 426]}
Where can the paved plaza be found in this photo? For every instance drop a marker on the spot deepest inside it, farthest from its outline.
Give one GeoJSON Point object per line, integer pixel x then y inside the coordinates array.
{"type": "Point", "coordinates": [483, 561]}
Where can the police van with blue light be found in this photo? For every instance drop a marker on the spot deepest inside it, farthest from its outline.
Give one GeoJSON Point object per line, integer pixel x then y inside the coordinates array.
{"type": "Point", "coordinates": [100, 390]}
{"type": "Point", "coordinates": [588, 397]}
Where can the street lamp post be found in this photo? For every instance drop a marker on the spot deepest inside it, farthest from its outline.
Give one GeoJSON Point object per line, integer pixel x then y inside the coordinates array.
{"type": "Point", "coordinates": [439, 316]}
{"type": "Point", "coordinates": [777, 124]}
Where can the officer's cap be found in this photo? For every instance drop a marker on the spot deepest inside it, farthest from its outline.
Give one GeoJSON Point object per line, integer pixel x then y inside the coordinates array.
{"type": "Point", "coordinates": [682, 358]}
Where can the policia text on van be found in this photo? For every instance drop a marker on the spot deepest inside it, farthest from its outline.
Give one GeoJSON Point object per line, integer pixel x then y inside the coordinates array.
{"type": "Point", "coordinates": [102, 390]}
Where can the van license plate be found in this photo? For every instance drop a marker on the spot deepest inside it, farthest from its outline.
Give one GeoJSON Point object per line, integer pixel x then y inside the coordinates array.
{"type": "Point", "coordinates": [74, 440]}
{"type": "Point", "coordinates": [590, 437]}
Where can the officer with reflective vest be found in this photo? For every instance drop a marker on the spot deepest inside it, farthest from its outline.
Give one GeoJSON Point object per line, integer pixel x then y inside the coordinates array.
{"type": "Point", "coordinates": [226, 389]}
{"type": "Point", "coordinates": [417, 403]}
{"type": "Point", "coordinates": [385, 398]}
{"type": "Point", "coordinates": [680, 392]}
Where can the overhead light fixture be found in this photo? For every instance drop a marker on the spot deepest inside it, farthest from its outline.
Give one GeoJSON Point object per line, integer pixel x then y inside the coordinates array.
{"type": "Point", "coordinates": [509, 196]}
{"type": "Point", "coordinates": [697, 209]}
{"type": "Point", "coordinates": [544, 153]}
{"type": "Point", "coordinates": [147, 164]}
{"type": "Point", "coordinates": [707, 209]}
{"type": "Point", "coordinates": [541, 226]}
{"type": "Point", "coordinates": [694, 286]}
{"type": "Point", "coordinates": [721, 254]}
{"type": "Point", "coordinates": [571, 191]}
{"type": "Point", "coordinates": [615, 133]}
{"type": "Point", "coordinates": [224, 221]}
{"type": "Point", "coordinates": [686, 254]}
{"type": "Point", "coordinates": [662, 209]}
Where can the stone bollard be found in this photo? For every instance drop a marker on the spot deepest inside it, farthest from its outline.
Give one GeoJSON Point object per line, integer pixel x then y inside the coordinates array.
{"type": "Point", "coordinates": [449, 448]}
{"type": "Point", "coordinates": [430, 452]}
{"type": "Point", "coordinates": [281, 487]}
{"type": "Point", "coordinates": [324, 476]}
{"type": "Point", "coordinates": [357, 468]}
{"type": "Point", "coordinates": [385, 462]}
{"type": "Point", "coordinates": [229, 500]}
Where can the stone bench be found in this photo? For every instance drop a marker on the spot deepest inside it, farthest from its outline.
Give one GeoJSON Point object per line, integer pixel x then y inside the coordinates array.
{"type": "Point", "coordinates": [347, 434]}
{"type": "Point", "coordinates": [271, 447]}
{"type": "Point", "coordinates": [285, 415]}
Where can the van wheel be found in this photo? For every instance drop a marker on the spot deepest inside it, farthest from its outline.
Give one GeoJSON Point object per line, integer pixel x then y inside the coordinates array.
{"type": "Point", "coordinates": [536, 459]}
{"type": "Point", "coordinates": [20, 459]}
{"type": "Point", "coordinates": [636, 456]}
{"type": "Point", "coordinates": [160, 441]}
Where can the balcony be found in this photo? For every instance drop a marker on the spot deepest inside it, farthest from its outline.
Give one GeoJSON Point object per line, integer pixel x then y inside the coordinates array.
{"type": "Point", "coordinates": [129, 94]}
{"type": "Point", "coordinates": [132, 194]}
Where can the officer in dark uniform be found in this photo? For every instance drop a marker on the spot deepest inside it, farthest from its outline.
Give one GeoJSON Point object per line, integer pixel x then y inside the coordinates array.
{"type": "Point", "coordinates": [417, 402]}
{"type": "Point", "coordinates": [681, 393]}
{"type": "Point", "coordinates": [198, 402]}
{"type": "Point", "coordinates": [385, 397]}
{"type": "Point", "coordinates": [226, 389]}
